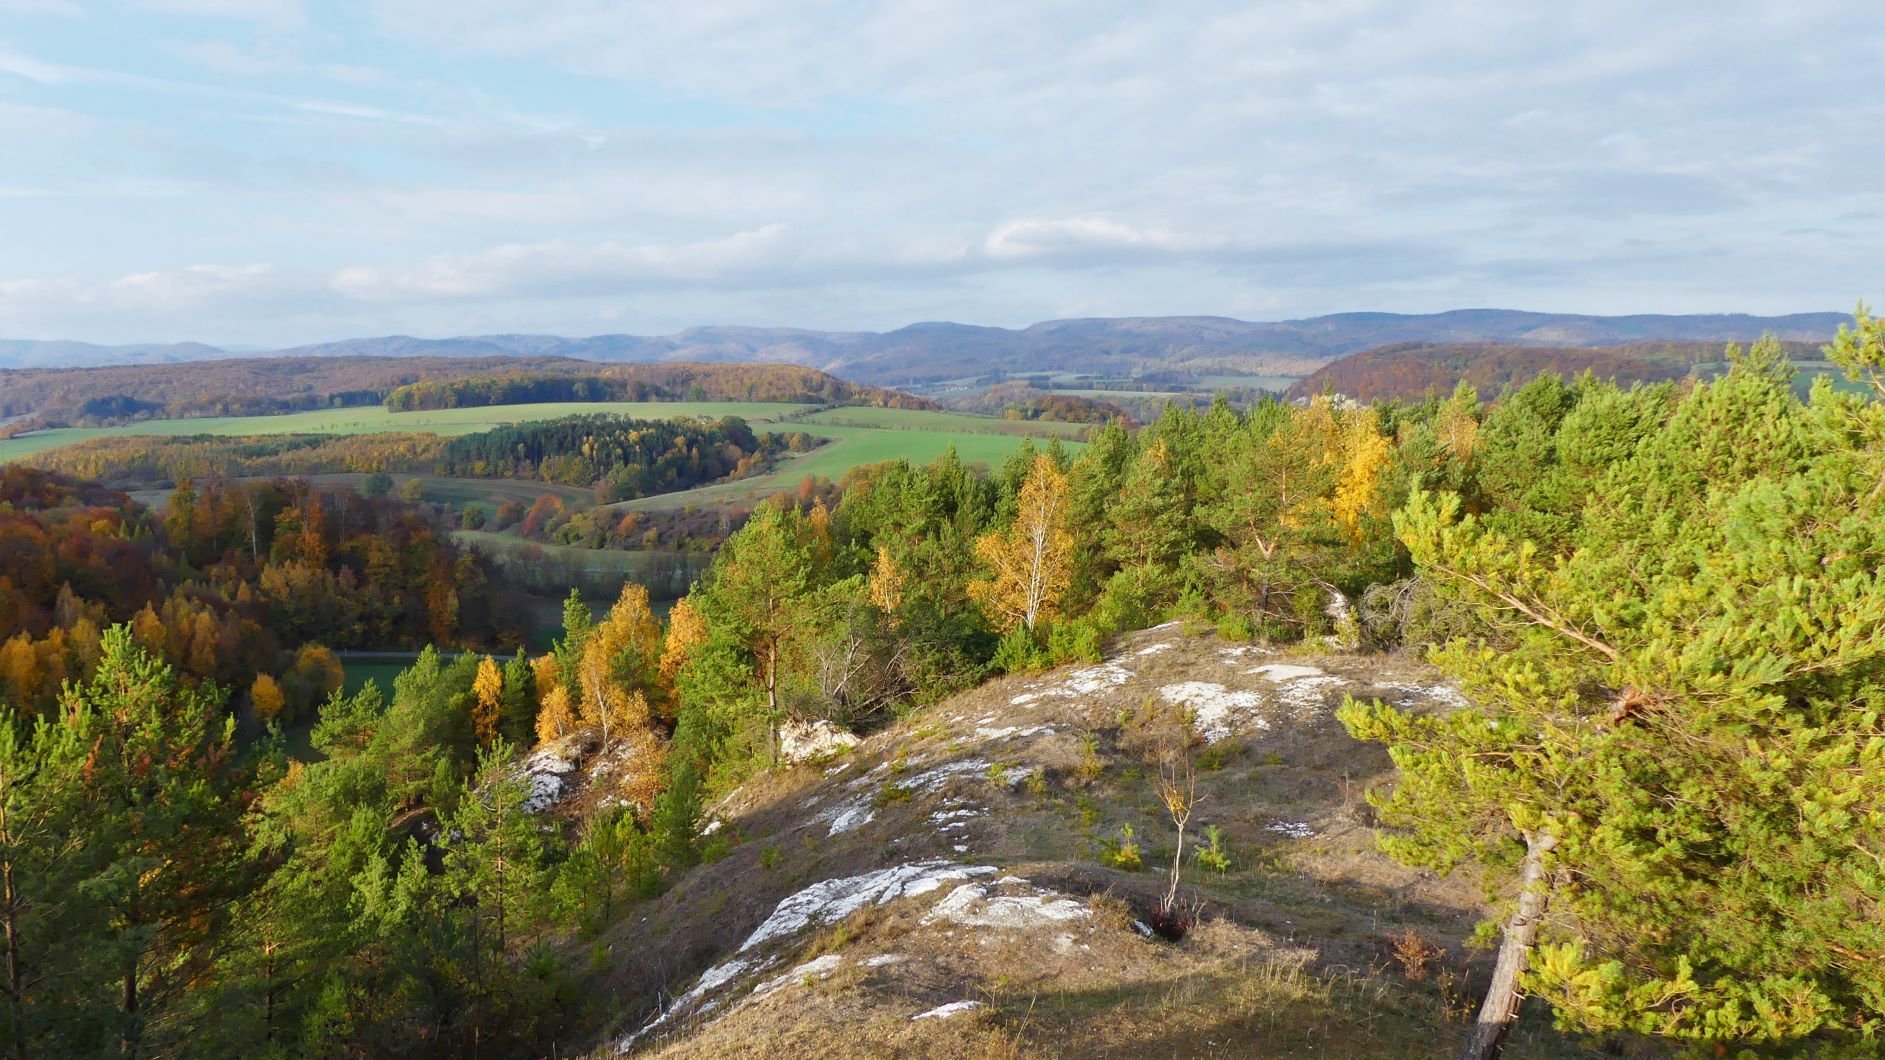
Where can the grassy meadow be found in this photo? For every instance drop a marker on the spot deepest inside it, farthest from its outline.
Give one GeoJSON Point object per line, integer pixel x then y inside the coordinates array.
{"type": "Point", "coordinates": [375, 419]}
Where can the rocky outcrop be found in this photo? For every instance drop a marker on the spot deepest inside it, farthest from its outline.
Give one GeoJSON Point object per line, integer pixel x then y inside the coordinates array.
{"type": "Point", "coordinates": [808, 741]}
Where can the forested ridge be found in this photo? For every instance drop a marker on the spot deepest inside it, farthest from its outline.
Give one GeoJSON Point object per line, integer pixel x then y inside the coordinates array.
{"type": "Point", "coordinates": [622, 457]}
{"type": "Point", "coordinates": [1410, 371]}
{"type": "Point", "coordinates": [90, 397]}
{"type": "Point", "coordinates": [1666, 601]}
{"type": "Point", "coordinates": [651, 382]}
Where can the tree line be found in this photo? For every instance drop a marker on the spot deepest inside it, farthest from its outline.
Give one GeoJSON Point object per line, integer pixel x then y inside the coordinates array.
{"type": "Point", "coordinates": [650, 382]}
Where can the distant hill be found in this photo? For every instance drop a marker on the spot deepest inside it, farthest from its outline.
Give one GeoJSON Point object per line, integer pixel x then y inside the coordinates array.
{"type": "Point", "coordinates": [933, 352]}
{"type": "Point", "coordinates": [254, 386]}
{"type": "Point", "coordinates": [1413, 370]}
{"type": "Point", "coordinates": [62, 353]}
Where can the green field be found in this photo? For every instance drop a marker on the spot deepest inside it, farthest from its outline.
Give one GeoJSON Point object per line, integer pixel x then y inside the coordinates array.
{"type": "Point", "coordinates": [374, 419]}
{"type": "Point", "coordinates": [1129, 395]}
{"type": "Point", "coordinates": [378, 671]}
{"type": "Point", "coordinates": [848, 448]}
{"type": "Point", "coordinates": [1264, 382]}
{"type": "Point", "coordinates": [956, 423]}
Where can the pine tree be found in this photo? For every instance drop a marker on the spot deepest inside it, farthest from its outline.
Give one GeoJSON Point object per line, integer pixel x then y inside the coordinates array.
{"type": "Point", "coordinates": [494, 866]}
{"type": "Point", "coordinates": [753, 597]}
{"type": "Point", "coordinates": [517, 716]}
{"type": "Point", "coordinates": [152, 796]}
{"type": "Point", "coordinates": [1676, 742]}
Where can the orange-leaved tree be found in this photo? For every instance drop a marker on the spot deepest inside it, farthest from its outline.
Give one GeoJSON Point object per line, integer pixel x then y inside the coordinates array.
{"type": "Point", "coordinates": [487, 690]}
{"type": "Point", "coordinates": [1029, 562]}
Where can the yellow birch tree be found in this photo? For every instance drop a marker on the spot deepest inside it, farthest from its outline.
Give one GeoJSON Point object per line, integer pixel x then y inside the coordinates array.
{"type": "Point", "coordinates": [487, 690]}
{"type": "Point", "coordinates": [1030, 562]}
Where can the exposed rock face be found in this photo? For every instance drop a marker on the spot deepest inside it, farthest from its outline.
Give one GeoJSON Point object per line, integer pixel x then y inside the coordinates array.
{"type": "Point", "coordinates": [551, 769]}
{"type": "Point", "coordinates": [804, 741]}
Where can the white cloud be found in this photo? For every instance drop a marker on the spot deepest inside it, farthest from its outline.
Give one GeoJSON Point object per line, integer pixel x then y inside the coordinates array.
{"type": "Point", "coordinates": [1041, 237]}
{"type": "Point", "coordinates": [23, 121]}
{"type": "Point", "coordinates": [564, 270]}
{"type": "Point", "coordinates": [191, 286]}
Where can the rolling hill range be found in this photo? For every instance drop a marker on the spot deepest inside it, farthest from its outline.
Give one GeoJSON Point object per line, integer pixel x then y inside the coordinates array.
{"type": "Point", "coordinates": [934, 352]}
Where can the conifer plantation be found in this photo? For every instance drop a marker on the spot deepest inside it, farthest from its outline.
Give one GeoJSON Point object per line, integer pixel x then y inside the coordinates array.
{"type": "Point", "coordinates": [1665, 603]}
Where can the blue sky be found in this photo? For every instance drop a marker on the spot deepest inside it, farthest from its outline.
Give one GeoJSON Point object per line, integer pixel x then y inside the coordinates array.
{"type": "Point", "coordinates": [270, 172]}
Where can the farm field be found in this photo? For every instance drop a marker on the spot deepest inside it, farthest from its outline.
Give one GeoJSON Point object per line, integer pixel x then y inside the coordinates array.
{"type": "Point", "coordinates": [375, 419]}
{"type": "Point", "coordinates": [950, 422]}
{"type": "Point", "coordinates": [851, 446]}
{"type": "Point", "coordinates": [1278, 383]}
{"type": "Point", "coordinates": [1130, 395]}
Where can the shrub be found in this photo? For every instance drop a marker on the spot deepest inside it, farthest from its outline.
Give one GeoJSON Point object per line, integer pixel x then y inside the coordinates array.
{"type": "Point", "coordinates": [1235, 627]}
{"type": "Point", "coordinates": [1212, 854]}
{"type": "Point", "coordinates": [1122, 853]}
{"type": "Point", "coordinates": [1019, 652]}
{"type": "Point", "coordinates": [1075, 641]}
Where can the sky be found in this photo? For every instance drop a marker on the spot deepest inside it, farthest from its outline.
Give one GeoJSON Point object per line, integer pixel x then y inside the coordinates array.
{"type": "Point", "coordinates": [272, 172]}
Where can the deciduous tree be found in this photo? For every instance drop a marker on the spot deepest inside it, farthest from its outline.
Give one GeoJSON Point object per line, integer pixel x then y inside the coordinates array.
{"type": "Point", "coordinates": [1029, 561]}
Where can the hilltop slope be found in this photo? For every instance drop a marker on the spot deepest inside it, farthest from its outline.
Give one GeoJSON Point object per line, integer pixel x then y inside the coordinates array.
{"type": "Point", "coordinates": [939, 890]}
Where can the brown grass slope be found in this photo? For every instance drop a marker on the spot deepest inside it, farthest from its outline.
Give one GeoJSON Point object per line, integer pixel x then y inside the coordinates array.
{"type": "Point", "coordinates": [955, 862]}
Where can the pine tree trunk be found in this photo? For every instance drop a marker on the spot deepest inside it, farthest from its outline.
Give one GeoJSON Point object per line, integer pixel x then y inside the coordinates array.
{"type": "Point", "coordinates": [132, 1040]}
{"type": "Point", "coordinates": [772, 700]}
{"type": "Point", "coordinates": [1500, 1010]}
{"type": "Point", "coordinates": [16, 985]}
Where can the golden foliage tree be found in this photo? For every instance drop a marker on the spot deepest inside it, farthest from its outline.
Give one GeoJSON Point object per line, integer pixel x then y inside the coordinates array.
{"type": "Point", "coordinates": [555, 717]}
{"type": "Point", "coordinates": [487, 690]}
{"type": "Point", "coordinates": [267, 698]}
{"type": "Point", "coordinates": [886, 582]}
{"type": "Point", "coordinates": [1362, 454]}
{"type": "Point", "coordinates": [320, 669]}
{"type": "Point", "coordinates": [1030, 561]}
{"type": "Point", "coordinates": [619, 664]}
{"type": "Point", "coordinates": [19, 671]}
{"type": "Point", "coordinates": [686, 631]}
